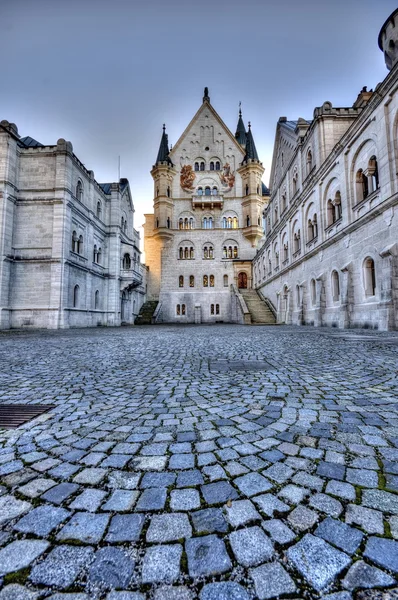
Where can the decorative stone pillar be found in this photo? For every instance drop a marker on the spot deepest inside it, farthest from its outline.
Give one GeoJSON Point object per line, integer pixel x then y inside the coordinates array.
{"type": "Point", "coordinates": [389, 288]}
{"type": "Point", "coordinates": [320, 301]}
{"type": "Point", "coordinates": [346, 296]}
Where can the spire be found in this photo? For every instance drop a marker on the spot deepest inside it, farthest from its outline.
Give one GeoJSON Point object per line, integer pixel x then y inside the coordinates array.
{"type": "Point", "coordinates": [163, 154]}
{"type": "Point", "coordinates": [251, 151]}
{"type": "Point", "coordinates": [240, 134]}
{"type": "Point", "coordinates": [206, 97]}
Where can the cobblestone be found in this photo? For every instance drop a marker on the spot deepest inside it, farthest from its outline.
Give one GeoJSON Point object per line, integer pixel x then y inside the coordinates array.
{"type": "Point", "coordinates": [157, 476]}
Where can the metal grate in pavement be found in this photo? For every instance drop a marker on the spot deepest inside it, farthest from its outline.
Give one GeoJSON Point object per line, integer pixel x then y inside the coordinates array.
{"type": "Point", "coordinates": [14, 415]}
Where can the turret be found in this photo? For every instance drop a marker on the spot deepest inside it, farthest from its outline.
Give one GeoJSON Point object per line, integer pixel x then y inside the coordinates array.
{"type": "Point", "coordinates": [251, 171]}
{"type": "Point", "coordinates": [240, 134]}
{"type": "Point", "coordinates": [388, 40]}
{"type": "Point", "coordinates": [163, 172]}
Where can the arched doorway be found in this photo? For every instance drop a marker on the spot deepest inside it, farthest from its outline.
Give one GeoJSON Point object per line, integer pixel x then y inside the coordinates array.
{"type": "Point", "coordinates": [242, 280]}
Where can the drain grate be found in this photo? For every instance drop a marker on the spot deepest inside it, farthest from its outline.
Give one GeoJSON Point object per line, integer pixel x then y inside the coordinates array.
{"type": "Point", "coordinates": [228, 366]}
{"type": "Point", "coordinates": [14, 415]}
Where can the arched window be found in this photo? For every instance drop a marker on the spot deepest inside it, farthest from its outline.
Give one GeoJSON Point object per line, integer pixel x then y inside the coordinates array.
{"type": "Point", "coordinates": [212, 309]}
{"type": "Point", "coordinates": [369, 277]}
{"type": "Point", "coordinates": [95, 252]}
{"type": "Point", "coordinates": [205, 252]}
{"type": "Point", "coordinates": [297, 241]}
{"type": "Point", "coordinates": [224, 222]}
{"type": "Point", "coordinates": [181, 224]}
{"type": "Point", "coordinates": [126, 261]}
{"type": "Point", "coordinates": [186, 253]}
{"type": "Point", "coordinates": [337, 204]}
{"type": "Point", "coordinates": [76, 296]}
{"type": "Point", "coordinates": [202, 166]}
{"type": "Point", "coordinates": [168, 191]}
{"type": "Point", "coordinates": [217, 309]}
{"type": "Point", "coordinates": [247, 190]}
{"type": "Point", "coordinates": [309, 162]}
{"type": "Point", "coordinates": [181, 253]}
{"type": "Point", "coordinates": [205, 281]}
{"type": "Point", "coordinates": [229, 251]}
{"type": "Point", "coordinates": [178, 310]}
{"type": "Point", "coordinates": [276, 214]}
{"type": "Point", "coordinates": [186, 223]}
{"type": "Point", "coordinates": [96, 299]}
{"type": "Point", "coordinates": [331, 213]}
{"type": "Point", "coordinates": [196, 166]}
{"type": "Point", "coordinates": [362, 186]}
{"type": "Point", "coordinates": [207, 191]}
{"type": "Point", "coordinates": [212, 166]}
{"type": "Point", "coordinates": [168, 222]}
{"type": "Point", "coordinates": [373, 172]}
{"type": "Point", "coordinates": [191, 281]}
{"type": "Point", "coordinates": [283, 202]}
{"type": "Point", "coordinates": [313, 292]}
{"type": "Point", "coordinates": [235, 251]}
{"type": "Point", "coordinates": [217, 165]}
{"type": "Point", "coordinates": [99, 209]}
{"type": "Point", "coordinates": [235, 223]}
{"type": "Point", "coordinates": [74, 241]}
{"type": "Point", "coordinates": [181, 281]}
{"type": "Point", "coordinates": [99, 253]}
{"type": "Point", "coordinates": [191, 253]}
{"type": "Point", "coordinates": [205, 223]}
{"type": "Point", "coordinates": [225, 280]}
{"type": "Point", "coordinates": [334, 211]}
{"type": "Point", "coordinates": [225, 252]}
{"type": "Point", "coordinates": [295, 182]}
{"type": "Point", "coordinates": [79, 190]}
{"type": "Point", "coordinates": [298, 296]}
{"type": "Point", "coordinates": [210, 223]}
{"type": "Point", "coordinates": [211, 280]}
{"type": "Point", "coordinates": [248, 221]}
{"type": "Point", "coordinates": [335, 286]}
{"type": "Point", "coordinates": [80, 245]}
{"type": "Point", "coordinates": [200, 191]}
{"type": "Point", "coordinates": [214, 191]}
{"type": "Point", "coordinates": [125, 226]}
{"type": "Point", "coordinates": [183, 309]}
{"type": "Point", "coordinates": [285, 251]}
{"type": "Point", "coordinates": [191, 223]}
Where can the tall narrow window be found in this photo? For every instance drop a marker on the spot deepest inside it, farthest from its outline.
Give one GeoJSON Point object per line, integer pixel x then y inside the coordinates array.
{"type": "Point", "coordinates": [191, 253]}
{"type": "Point", "coordinates": [224, 222]}
{"type": "Point", "coordinates": [202, 166]}
{"type": "Point", "coordinates": [196, 166]}
{"type": "Point", "coordinates": [313, 292]}
{"type": "Point", "coordinates": [210, 223]}
{"type": "Point", "coordinates": [217, 309]}
{"type": "Point", "coordinates": [181, 281]}
{"type": "Point", "coordinates": [235, 251]}
{"type": "Point", "coordinates": [181, 253]}
{"type": "Point", "coordinates": [309, 162]}
{"type": "Point", "coordinates": [373, 173]}
{"type": "Point", "coordinates": [335, 286]}
{"type": "Point", "coordinates": [235, 223]}
{"type": "Point", "coordinates": [205, 281]}
{"type": "Point", "coordinates": [183, 309]}
{"type": "Point", "coordinates": [211, 280]}
{"type": "Point", "coordinates": [191, 281]}
{"type": "Point", "coordinates": [212, 166]}
{"type": "Point", "coordinates": [76, 294]}
{"type": "Point", "coordinates": [212, 309]}
{"type": "Point", "coordinates": [99, 209]}
{"type": "Point", "coordinates": [205, 252]}
{"type": "Point", "coordinates": [362, 186]}
{"type": "Point", "coordinates": [79, 190]}
{"type": "Point", "coordinates": [181, 224]}
{"type": "Point", "coordinates": [74, 241]}
{"type": "Point", "coordinates": [369, 277]}
{"type": "Point", "coordinates": [168, 222]}
{"type": "Point", "coordinates": [214, 191]}
{"type": "Point", "coordinates": [96, 300]}
{"type": "Point", "coordinates": [80, 245]}
{"type": "Point", "coordinates": [95, 254]}
{"type": "Point", "coordinates": [99, 253]}
{"type": "Point", "coordinates": [178, 310]}
{"type": "Point", "coordinates": [225, 280]}
{"type": "Point", "coordinates": [225, 252]}
{"type": "Point", "coordinates": [186, 253]}
{"type": "Point", "coordinates": [217, 166]}
{"type": "Point", "coordinates": [207, 191]}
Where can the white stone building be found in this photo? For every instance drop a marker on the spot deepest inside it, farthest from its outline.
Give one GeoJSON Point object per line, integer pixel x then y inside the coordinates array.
{"type": "Point", "coordinates": [208, 202]}
{"type": "Point", "coordinates": [330, 255]}
{"type": "Point", "coordinates": [69, 253]}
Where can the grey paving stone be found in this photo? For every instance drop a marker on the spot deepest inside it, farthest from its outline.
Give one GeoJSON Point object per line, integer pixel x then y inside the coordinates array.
{"type": "Point", "coordinates": [331, 471]}
{"type": "Point", "coordinates": [209, 520]}
{"type": "Point", "coordinates": [224, 590]}
{"type": "Point", "coordinates": [317, 561]}
{"type": "Point", "coordinates": [302, 518]}
{"type": "Point", "coordinates": [42, 520]}
{"type": "Point", "coordinates": [111, 568]}
{"type": "Point", "coordinates": [152, 499]}
{"type": "Point", "coordinates": [161, 564]}
{"type": "Point", "coordinates": [36, 487]}
{"type": "Point", "coordinates": [339, 534]}
{"type": "Point", "coordinates": [362, 575]}
{"type": "Point", "coordinates": [125, 528]}
{"type": "Point", "coordinates": [189, 478]}
{"type": "Point", "coordinates": [20, 554]}
{"type": "Point", "coordinates": [182, 461]}
{"type": "Point", "coordinates": [271, 581]}
{"type": "Point", "coordinates": [14, 591]}
{"type": "Point", "coordinates": [60, 492]}
{"type": "Point", "coordinates": [338, 596]}
{"type": "Point", "coordinates": [121, 501]}
{"type": "Point", "coordinates": [341, 490]}
{"type": "Point", "coordinates": [11, 507]}
{"type": "Point", "coordinates": [363, 477]}
{"type": "Point", "coordinates": [84, 527]}
{"type": "Point", "coordinates": [252, 484]}
{"type": "Point", "coordinates": [158, 480]}
{"type": "Point", "coordinates": [307, 480]}
{"type": "Point", "coordinates": [125, 596]}
{"type": "Point", "coordinates": [384, 501]}
{"type": "Point", "coordinates": [293, 493]}
{"type": "Point", "coordinates": [270, 504]}
{"type": "Point", "coordinates": [123, 479]}
{"type": "Point", "coordinates": [370, 520]}
{"type": "Point", "coordinates": [62, 566]}
{"type": "Point", "coordinates": [241, 512]}
{"type": "Point", "coordinates": [207, 556]}
{"type": "Point", "coordinates": [166, 592]}
{"type": "Point", "coordinates": [186, 499]}
{"type": "Point", "coordinates": [214, 472]}
{"type": "Point", "coordinates": [169, 528]}
{"type": "Point", "coordinates": [89, 500]}
{"type": "Point", "coordinates": [90, 476]}
{"type": "Point", "coordinates": [251, 546]}
{"type": "Point", "coordinates": [71, 596]}
{"type": "Point", "coordinates": [383, 552]}
{"type": "Point", "coordinates": [278, 531]}
{"type": "Point", "coordinates": [218, 493]}
{"type": "Point", "coordinates": [326, 504]}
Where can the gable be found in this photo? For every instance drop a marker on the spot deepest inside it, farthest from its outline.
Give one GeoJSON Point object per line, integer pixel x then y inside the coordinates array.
{"type": "Point", "coordinates": [284, 148]}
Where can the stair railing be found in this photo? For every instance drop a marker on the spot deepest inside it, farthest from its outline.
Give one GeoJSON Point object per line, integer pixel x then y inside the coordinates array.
{"type": "Point", "coordinates": [242, 312]}
{"type": "Point", "coordinates": [157, 313]}
{"type": "Point", "coordinates": [268, 302]}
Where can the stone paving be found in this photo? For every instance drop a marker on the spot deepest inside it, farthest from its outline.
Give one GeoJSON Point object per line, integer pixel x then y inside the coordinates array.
{"type": "Point", "coordinates": [211, 462]}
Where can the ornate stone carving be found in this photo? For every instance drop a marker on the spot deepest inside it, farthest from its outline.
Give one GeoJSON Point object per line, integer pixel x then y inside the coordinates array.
{"type": "Point", "coordinates": [187, 178]}
{"type": "Point", "coordinates": [227, 177]}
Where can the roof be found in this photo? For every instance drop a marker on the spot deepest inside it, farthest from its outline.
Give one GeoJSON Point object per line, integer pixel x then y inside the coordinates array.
{"type": "Point", "coordinates": [390, 18]}
{"type": "Point", "coordinates": [163, 154]}
{"type": "Point", "coordinates": [264, 190]}
{"type": "Point", "coordinates": [241, 131]}
{"type": "Point", "coordinates": [251, 152]}
{"type": "Point", "coordinates": [30, 142]}
{"type": "Point", "coordinates": [106, 187]}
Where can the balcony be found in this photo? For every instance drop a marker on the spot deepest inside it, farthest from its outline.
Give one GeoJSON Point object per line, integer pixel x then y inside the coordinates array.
{"type": "Point", "coordinates": [131, 277]}
{"type": "Point", "coordinates": [207, 202]}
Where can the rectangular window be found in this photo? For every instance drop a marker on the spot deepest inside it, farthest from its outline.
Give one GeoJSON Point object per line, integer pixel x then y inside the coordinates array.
{"type": "Point", "coordinates": [212, 309]}
{"type": "Point", "coordinates": [183, 309]}
{"type": "Point", "coordinates": [217, 309]}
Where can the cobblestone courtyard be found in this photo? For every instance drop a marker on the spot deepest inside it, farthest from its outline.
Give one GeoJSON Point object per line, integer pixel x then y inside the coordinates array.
{"type": "Point", "coordinates": [211, 462]}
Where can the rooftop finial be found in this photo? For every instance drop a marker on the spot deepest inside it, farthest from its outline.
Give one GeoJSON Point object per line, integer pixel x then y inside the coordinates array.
{"type": "Point", "coordinates": [249, 125]}
{"type": "Point", "coordinates": [206, 97]}
{"type": "Point", "coordinates": [240, 108]}
{"type": "Point", "coordinates": [164, 127]}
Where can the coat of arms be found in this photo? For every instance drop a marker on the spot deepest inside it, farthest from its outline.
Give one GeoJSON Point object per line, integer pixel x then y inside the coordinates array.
{"type": "Point", "coordinates": [227, 177]}
{"type": "Point", "coordinates": [187, 178]}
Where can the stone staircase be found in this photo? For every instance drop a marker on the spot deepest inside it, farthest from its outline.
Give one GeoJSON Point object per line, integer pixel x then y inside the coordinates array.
{"type": "Point", "coordinates": [146, 313]}
{"type": "Point", "coordinates": [259, 310]}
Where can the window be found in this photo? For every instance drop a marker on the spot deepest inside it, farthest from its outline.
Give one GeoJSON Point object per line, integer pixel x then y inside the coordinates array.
{"type": "Point", "coordinates": [362, 186]}
{"type": "Point", "coordinates": [191, 281]}
{"type": "Point", "coordinates": [79, 190]}
{"type": "Point", "coordinates": [225, 252]}
{"type": "Point", "coordinates": [217, 309]}
{"type": "Point", "coordinates": [183, 309]}
{"type": "Point", "coordinates": [225, 280]}
{"type": "Point", "coordinates": [186, 223]}
{"type": "Point", "coordinates": [180, 310]}
{"type": "Point", "coordinates": [76, 294]}
{"type": "Point", "coordinates": [168, 222]}
{"type": "Point", "coordinates": [211, 280]}
{"type": "Point", "coordinates": [334, 211]}
{"type": "Point", "coordinates": [200, 191]}
{"type": "Point", "coordinates": [214, 191]}
{"type": "Point", "coordinates": [168, 191]}
{"type": "Point", "coordinates": [369, 277]}
{"type": "Point", "coordinates": [276, 214]}
{"type": "Point", "coordinates": [96, 299]}
{"type": "Point", "coordinates": [335, 286]}
{"type": "Point", "coordinates": [191, 253]}
{"type": "Point", "coordinates": [180, 224]}
{"type": "Point", "coordinates": [313, 292]}
{"type": "Point", "coordinates": [309, 162]}
{"type": "Point", "coordinates": [74, 241]}
{"type": "Point", "coordinates": [246, 190]}
{"type": "Point", "coordinates": [248, 221]}
{"type": "Point", "coordinates": [295, 182]}
{"type": "Point", "coordinates": [373, 172]}
{"type": "Point", "coordinates": [181, 281]}
{"type": "Point", "coordinates": [126, 261]}
{"type": "Point", "coordinates": [217, 165]}
{"type": "Point", "coordinates": [296, 241]}
{"type": "Point", "coordinates": [186, 253]}
{"type": "Point", "coordinates": [298, 296]}
{"type": "Point", "coordinates": [212, 166]}
{"type": "Point", "coordinates": [312, 230]}
{"type": "Point", "coordinates": [285, 251]}
{"type": "Point", "coordinates": [196, 166]}
{"type": "Point", "coordinates": [181, 253]}
{"type": "Point", "coordinates": [212, 309]}
{"type": "Point", "coordinates": [99, 209]}
{"type": "Point", "coordinates": [80, 245]}
{"type": "Point", "coordinates": [202, 166]}
{"type": "Point", "coordinates": [235, 223]}
{"type": "Point", "coordinates": [283, 202]}
{"type": "Point", "coordinates": [207, 191]}
{"type": "Point", "coordinates": [191, 223]}
{"type": "Point", "coordinates": [205, 281]}
{"type": "Point", "coordinates": [235, 251]}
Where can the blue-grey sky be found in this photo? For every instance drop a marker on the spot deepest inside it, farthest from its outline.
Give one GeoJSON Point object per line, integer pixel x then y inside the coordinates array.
{"type": "Point", "coordinates": [106, 74]}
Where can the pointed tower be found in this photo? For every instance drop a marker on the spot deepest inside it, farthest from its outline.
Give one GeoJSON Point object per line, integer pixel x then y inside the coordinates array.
{"type": "Point", "coordinates": [251, 171]}
{"type": "Point", "coordinates": [163, 172]}
{"type": "Point", "coordinates": [240, 134]}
